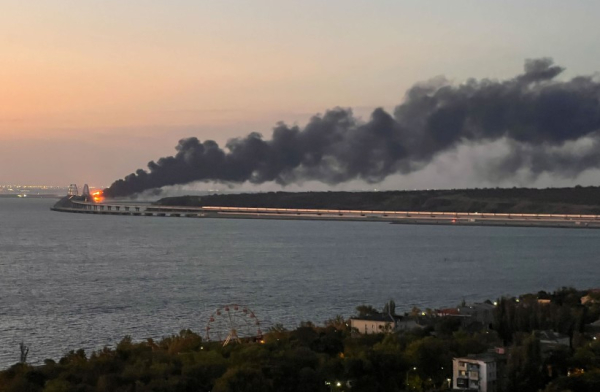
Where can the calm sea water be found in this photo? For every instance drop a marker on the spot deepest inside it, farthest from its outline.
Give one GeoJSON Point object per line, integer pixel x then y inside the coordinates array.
{"type": "Point", "coordinates": [70, 281]}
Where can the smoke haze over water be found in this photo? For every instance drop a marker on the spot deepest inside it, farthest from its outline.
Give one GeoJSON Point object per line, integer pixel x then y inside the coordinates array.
{"type": "Point", "coordinates": [549, 126]}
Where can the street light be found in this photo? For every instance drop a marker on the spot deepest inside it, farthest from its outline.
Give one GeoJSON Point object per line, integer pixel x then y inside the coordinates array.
{"type": "Point", "coordinates": [331, 384]}
{"type": "Point", "coordinates": [407, 373]}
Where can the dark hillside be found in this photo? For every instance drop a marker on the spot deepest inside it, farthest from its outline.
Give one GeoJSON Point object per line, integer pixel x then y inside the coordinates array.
{"type": "Point", "coordinates": [578, 200]}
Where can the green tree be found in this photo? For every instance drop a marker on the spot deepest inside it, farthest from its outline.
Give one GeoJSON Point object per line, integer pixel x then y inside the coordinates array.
{"type": "Point", "coordinates": [243, 379]}
{"type": "Point", "coordinates": [524, 367]}
{"type": "Point", "coordinates": [58, 385]}
{"type": "Point", "coordinates": [366, 310]}
{"type": "Point", "coordinates": [389, 308]}
{"type": "Point", "coordinates": [338, 322]}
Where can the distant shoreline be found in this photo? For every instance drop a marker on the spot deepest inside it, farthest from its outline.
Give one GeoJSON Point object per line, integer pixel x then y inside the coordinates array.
{"type": "Point", "coordinates": [30, 196]}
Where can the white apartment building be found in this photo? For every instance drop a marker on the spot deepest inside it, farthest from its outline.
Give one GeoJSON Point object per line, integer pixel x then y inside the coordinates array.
{"type": "Point", "coordinates": [475, 373]}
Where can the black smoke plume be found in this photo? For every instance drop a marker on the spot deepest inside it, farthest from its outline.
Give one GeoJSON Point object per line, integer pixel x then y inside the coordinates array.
{"type": "Point", "coordinates": [536, 114]}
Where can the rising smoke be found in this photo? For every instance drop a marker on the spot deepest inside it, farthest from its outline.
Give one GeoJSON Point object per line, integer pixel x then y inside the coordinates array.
{"type": "Point", "coordinates": [539, 117]}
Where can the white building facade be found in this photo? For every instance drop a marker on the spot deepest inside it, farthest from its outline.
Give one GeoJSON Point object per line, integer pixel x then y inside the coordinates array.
{"type": "Point", "coordinates": [373, 324]}
{"type": "Point", "coordinates": [476, 373]}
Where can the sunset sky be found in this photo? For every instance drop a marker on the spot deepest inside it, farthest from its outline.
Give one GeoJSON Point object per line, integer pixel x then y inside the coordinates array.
{"type": "Point", "coordinates": [91, 90]}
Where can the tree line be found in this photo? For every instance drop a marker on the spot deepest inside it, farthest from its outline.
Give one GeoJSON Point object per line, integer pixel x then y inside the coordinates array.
{"type": "Point", "coordinates": [577, 200]}
{"type": "Point", "coordinates": [332, 357]}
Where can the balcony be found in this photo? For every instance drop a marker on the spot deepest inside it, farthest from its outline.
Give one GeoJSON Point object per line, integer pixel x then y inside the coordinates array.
{"type": "Point", "coordinates": [462, 382]}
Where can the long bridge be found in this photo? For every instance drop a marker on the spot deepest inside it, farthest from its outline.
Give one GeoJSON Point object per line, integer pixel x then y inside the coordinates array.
{"type": "Point", "coordinates": [70, 204]}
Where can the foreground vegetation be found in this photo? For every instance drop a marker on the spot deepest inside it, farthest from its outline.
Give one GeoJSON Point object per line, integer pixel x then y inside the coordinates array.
{"type": "Point", "coordinates": [334, 358]}
{"type": "Point", "coordinates": [577, 200]}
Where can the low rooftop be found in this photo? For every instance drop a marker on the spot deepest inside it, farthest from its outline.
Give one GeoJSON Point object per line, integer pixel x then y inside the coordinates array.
{"type": "Point", "coordinates": [377, 317]}
{"type": "Point", "coordinates": [483, 357]}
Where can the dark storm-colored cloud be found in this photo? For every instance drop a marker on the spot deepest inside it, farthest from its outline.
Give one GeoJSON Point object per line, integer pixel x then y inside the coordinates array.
{"type": "Point", "coordinates": [533, 111]}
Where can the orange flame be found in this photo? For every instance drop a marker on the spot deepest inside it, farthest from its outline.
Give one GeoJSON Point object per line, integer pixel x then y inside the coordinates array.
{"type": "Point", "coordinates": [98, 197]}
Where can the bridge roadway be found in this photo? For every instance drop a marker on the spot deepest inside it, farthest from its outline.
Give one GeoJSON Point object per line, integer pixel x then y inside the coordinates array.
{"type": "Point", "coordinates": [408, 217]}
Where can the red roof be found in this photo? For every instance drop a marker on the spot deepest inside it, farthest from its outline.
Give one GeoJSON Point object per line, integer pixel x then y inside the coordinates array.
{"type": "Point", "coordinates": [448, 312]}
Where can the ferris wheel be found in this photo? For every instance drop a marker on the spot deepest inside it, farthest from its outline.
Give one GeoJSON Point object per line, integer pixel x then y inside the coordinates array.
{"type": "Point", "coordinates": [233, 323]}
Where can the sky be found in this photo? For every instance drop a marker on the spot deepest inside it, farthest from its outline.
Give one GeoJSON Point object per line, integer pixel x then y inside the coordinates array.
{"type": "Point", "coordinates": [92, 90]}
